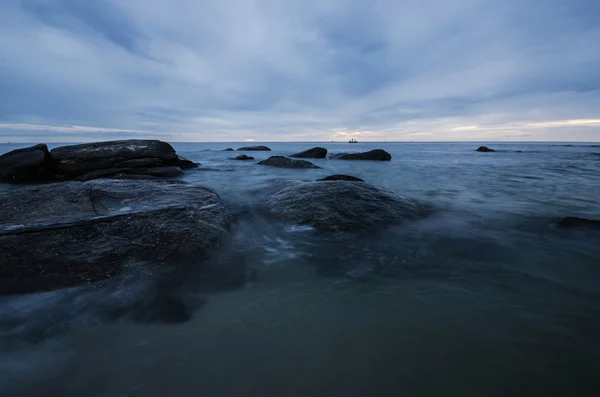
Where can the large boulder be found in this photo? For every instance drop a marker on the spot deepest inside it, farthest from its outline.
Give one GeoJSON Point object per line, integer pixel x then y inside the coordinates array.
{"type": "Point", "coordinates": [30, 164]}
{"type": "Point", "coordinates": [284, 162]}
{"type": "Point", "coordinates": [132, 173]}
{"type": "Point", "coordinates": [314, 153]}
{"type": "Point", "coordinates": [485, 149]}
{"type": "Point", "coordinates": [71, 233]}
{"type": "Point", "coordinates": [341, 177]}
{"type": "Point", "coordinates": [75, 160]}
{"type": "Point", "coordinates": [254, 148]}
{"type": "Point", "coordinates": [375, 154]}
{"type": "Point", "coordinates": [341, 206]}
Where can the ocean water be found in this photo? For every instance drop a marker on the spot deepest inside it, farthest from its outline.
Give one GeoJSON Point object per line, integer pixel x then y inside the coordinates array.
{"type": "Point", "coordinates": [484, 297]}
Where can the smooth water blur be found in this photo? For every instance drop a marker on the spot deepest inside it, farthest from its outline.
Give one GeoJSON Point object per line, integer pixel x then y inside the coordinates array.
{"type": "Point", "coordinates": [483, 297]}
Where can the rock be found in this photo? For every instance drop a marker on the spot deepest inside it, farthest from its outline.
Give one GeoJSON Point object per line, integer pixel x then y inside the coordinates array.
{"type": "Point", "coordinates": [341, 206]}
{"type": "Point", "coordinates": [485, 149]}
{"type": "Point", "coordinates": [140, 163]}
{"type": "Point", "coordinates": [65, 234]}
{"type": "Point", "coordinates": [573, 222]}
{"type": "Point", "coordinates": [284, 162]}
{"type": "Point", "coordinates": [228, 150]}
{"type": "Point", "coordinates": [139, 173]}
{"type": "Point", "coordinates": [340, 177]}
{"type": "Point", "coordinates": [375, 154]}
{"type": "Point", "coordinates": [248, 148]}
{"type": "Point", "coordinates": [73, 161]}
{"type": "Point", "coordinates": [30, 164]}
{"type": "Point", "coordinates": [243, 157]}
{"type": "Point", "coordinates": [185, 164]}
{"type": "Point", "coordinates": [314, 153]}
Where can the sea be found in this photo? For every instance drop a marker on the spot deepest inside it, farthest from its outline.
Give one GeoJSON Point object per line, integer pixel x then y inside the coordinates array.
{"type": "Point", "coordinates": [483, 297]}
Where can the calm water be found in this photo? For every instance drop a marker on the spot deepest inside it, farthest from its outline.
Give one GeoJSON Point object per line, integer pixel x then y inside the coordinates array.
{"type": "Point", "coordinates": [482, 298]}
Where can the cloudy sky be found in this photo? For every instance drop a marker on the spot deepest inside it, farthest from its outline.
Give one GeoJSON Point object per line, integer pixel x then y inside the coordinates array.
{"type": "Point", "coordinates": [299, 70]}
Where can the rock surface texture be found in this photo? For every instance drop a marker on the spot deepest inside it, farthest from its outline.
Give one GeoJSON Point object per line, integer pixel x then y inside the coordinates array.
{"type": "Point", "coordinates": [30, 164]}
{"type": "Point", "coordinates": [314, 153]}
{"type": "Point", "coordinates": [284, 162]}
{"type": "Point", "coordinates": [65, 234]}
{"type": "Point", "coordinates": [341, 206]}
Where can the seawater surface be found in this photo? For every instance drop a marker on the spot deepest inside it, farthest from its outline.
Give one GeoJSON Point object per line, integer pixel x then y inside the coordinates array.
{"type": "Point", "coordinates": [484, 297]}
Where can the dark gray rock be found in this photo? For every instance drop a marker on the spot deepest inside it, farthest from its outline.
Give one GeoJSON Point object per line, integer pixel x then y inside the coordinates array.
{"type": "Point", "coordinates": [485, 149]}
{"type": "Point", "coordinates": [256, 148]}
{"type": "Point", "coordinates": [341, 206]}
{"type": "Point", "coordinates": [71, 233]}
{"type": "Point", "coordinates": [140, 163]}
{"type": "Point", "coordinates": [340, 177]}
{"type": "Point", "coordinates": [284, 162]}
{"type": "Point", "coordinates": [573, 222]}
{"type": "Point", "coordinates": [135, 173]}
{"type": "Point", "coordinates": [30, 164]}
{"type": "Point", "coordinates": [228, 150]}
{"type": "Point", "coordinates": [314, 153]}
{"type": "Point", "coordinates": [185, 164]}
{"type": "Point", "coordinates": [243, 157]}
{"type": "Point", "coordinates": [375, 154]}
{"type": "Point", "coordinates": [73, 161]}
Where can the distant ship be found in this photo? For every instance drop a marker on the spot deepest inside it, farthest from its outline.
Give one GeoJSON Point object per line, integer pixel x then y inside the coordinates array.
{"type": "Point", "coordinates": [352, 141]}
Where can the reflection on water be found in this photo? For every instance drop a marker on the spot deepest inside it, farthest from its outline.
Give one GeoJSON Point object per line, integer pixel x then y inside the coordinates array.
{"type": "Point", "coordinates": [484, 297]}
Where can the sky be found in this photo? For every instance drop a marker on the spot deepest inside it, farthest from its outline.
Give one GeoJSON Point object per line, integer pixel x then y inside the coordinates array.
{"type": "Point", "coordinates": [300, 70]}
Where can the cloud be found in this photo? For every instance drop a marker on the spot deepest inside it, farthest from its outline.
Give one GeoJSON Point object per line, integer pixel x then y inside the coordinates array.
{"type": "Point", "coordinates": [299, 70]}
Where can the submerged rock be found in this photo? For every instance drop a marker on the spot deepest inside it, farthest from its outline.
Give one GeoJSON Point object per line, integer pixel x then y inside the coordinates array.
{"type": "Point", "coordinates": [243, 157]}
{"type": "Point", "coordinates": [256, 148]}
{"type": "Point", "coordinates": [284, 162]}
{"type": "Point", "coordinates": [375, 154]}
{"type": "Point", "coordinates": [573, 222]}
{"type": "Point", "coordinates": [485, 149]}
{"type": "Point", "coordinates": [71, 233]}
{"type": "Point", "coordinates": [314, 153]}
{"type": "Point", "coordinates": [341, 206]}
{"type": "Point", "coordinates": [228, 149]}
{"type": "Point", "coordinates": [185, 164]}
{"type": "Point", "coordinates": [340, 177]}
{"type": "Point", "coordinates": [30, 164]}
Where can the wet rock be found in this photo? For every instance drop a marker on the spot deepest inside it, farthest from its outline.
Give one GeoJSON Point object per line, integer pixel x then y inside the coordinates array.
{"type": "Point", "coordinates": [72, 233]}
{"type": "Point", "coordinates": [185, 164]}
{"type": "Point", "coordinates": [485, 149]}
{"type": "Point", "coordinates": [573, 222]}
{"type": "Point", "coordinates": [375, 154]}
{"type": "Point", "coordinates": [228, 149]}
{"type": "Point", "coordinates": [141, 163]}
{"type": "Point", "coordinates": [243, 157]}
{"type": "Point", "coordinates": [75, 160]}
{"type": "Point", "coordinates": [340, 177]}
{"type": "Point", "coordinates": [284, 162]}
{"type": "Point", "coordinates": [256, 148]}
{"type": "Point", "coordinates": [341, 206]}
{"type": "Point", "coordinates": [314, 153]}
{"type": "Point", "coordinates": [30, 164]}
{"type": "Point", "coordinates": [137, 173]}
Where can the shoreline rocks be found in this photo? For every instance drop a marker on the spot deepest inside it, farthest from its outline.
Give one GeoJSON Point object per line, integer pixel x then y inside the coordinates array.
{"type": "Point", "coordinates": [375, 154]}
{"type": "Point", "coordinates": [66, 234]}
{"type": "Point", "coordinates": [243, 157]}
{"type": "Point", "coordinates": [341, 206]}
{"type": "Point", "coordinates": [340, 177]}
{"type": "Point", "coordinates": [151, 158]}
{"type": "Point", "coordinates": [284, 162]}
{"type": "Point", "coordinates": [254, 148]}
{"type": "Point", "coordinates": [314, 153]}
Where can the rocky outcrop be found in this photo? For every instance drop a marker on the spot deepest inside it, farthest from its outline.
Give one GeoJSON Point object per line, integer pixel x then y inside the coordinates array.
{"type": "Point", "coordinates": [30, 164]}
{"type": "Point", "coordinates": [254, 148]}
{"type": "Point", "coordinates": [71, 233]}
{"type": "Point", "coordinates": [375, 154]}
{"type": "Point", "coordinates": [284, 162]}
{"type": "Point", "coordinates": [573, 222]}
{"type": "Point", "coordinates": [314, 153]}
{"type": "Point", "coordinates": [243, 157]}
{"type": "Point", "coordinates": [113, 159]}
{"type": "Point", "coordinates": [341, 206]}
{"type": "Point", "coordinates": [339, 177]}
{"type": "Point", "coordinates": [485, 149]}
